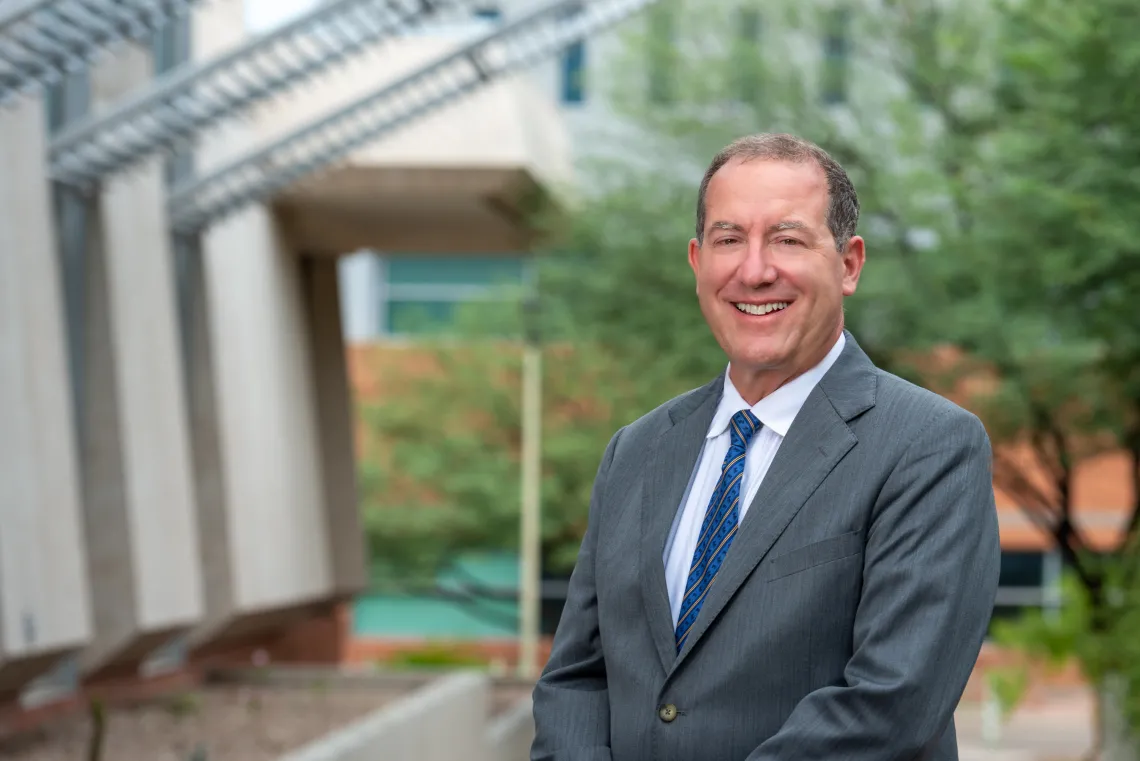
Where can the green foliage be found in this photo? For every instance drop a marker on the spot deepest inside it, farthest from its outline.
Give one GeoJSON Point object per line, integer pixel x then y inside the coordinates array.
{"type": "Point", "coordinates": [1008, 686]}
{"type": "Point", "coordinates": [1102, 639]}
{"type": "Point", "coordinates": [445, 476]}
{"type": "Point", "coordinates": [98, 713]}
{"type": "Point", "coordinates": [433, 656]}
{"type": "Point", "coordinates": [996, 149]}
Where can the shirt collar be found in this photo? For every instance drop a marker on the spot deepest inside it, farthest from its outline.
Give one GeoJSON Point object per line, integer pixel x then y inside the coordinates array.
{"type": "Point", "coordinates": [778, 410]}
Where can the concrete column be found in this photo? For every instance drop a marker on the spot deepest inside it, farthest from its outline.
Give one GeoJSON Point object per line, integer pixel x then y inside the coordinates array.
{"type": "Point", "coordinates": [337, 430]}
{"type": "Point", "coordinates": [146, 577]}
{"type": "Point", "coordinates": [44, 607]}
{"type": "Point", "coordinates": [265, 528]}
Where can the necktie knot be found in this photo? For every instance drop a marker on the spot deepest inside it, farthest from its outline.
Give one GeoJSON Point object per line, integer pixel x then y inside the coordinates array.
{"type": "Point", "coordinates": [743, 426]}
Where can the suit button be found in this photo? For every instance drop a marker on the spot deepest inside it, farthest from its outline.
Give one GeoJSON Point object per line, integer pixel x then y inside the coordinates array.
{"type": "Point", "coordinates": [667, 713]}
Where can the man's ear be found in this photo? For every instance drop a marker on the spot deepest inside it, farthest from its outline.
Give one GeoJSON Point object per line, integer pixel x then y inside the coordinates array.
{"type": "Point", "coordinates": [854, 257]}
{"type": "Point", "coordinates": [695, 261]}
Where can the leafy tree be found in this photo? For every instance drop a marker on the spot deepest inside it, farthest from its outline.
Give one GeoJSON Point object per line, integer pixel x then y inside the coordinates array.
{"type": "Point", "coordinates": [994, 149]}
{"type": "Point", "coordinates": [966, 128]}
{"type": "Point", "coordinates": [1063, 188]}
{"type": "Point", "coordinates": [924, 111]}
{"type": "Point", "coordinates": [440, 472]}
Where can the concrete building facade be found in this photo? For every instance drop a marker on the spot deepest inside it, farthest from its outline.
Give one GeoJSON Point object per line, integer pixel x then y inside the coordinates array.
{"type": "Point", "coordinates": [177, 452]}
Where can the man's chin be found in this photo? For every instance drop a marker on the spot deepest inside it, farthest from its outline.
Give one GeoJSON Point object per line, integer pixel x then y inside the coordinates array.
{"type": "Point", "coordinates": [760, 360]}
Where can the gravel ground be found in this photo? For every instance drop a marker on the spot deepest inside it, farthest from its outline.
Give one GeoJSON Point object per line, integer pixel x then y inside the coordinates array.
{"type": "Point", "coordinates": [231, 723]}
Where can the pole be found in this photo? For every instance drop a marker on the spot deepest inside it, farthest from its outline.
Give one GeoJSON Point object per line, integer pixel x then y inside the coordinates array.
{"type": "Point", "coordinates": [530, 528]}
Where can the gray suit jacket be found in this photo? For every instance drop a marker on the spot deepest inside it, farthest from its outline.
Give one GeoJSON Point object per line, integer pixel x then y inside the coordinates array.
{"type": "Point", "coordinates": [846, 619]}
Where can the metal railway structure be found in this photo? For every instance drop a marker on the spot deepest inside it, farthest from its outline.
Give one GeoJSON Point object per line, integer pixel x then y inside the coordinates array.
{"type": "Point", "coordinates": [42, 41]}
{"type": "Point", "coordinates": [259, 175]}
{"type": "Point", "coordinates": [195, 96]}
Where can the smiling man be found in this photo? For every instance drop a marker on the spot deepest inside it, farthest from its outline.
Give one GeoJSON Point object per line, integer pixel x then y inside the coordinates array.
{"type": "Point", "coordinates": [798, 560]}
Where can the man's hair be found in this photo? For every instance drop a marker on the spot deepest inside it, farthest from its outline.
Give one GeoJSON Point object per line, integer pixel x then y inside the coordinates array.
{"type": "Point", "coordinates": [843, 203]}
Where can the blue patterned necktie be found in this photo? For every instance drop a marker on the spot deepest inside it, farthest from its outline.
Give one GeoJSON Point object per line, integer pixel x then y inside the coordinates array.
{"type": "Point", "coordinates": [719, 526]}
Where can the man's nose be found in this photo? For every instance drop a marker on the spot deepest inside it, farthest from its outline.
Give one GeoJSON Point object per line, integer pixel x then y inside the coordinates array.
{"type": "Point", "coordinates": [757, 269]}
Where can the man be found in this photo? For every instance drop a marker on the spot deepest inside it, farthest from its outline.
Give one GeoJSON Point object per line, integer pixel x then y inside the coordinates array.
{"type": "Point", "coordinates": [798, 560]}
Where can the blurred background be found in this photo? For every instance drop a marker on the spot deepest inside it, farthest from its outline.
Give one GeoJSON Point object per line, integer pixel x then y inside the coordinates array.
{"type": "Point", "coordinates": [315, 318]}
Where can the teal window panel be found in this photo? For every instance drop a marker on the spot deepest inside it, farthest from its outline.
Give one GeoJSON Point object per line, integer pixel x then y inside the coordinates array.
{"type": "Point", "coordinates": [455, 270]}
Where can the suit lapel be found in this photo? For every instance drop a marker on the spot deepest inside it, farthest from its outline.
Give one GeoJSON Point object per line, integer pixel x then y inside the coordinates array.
{"type": "Point", "coordinates": [816, 442]}
{"type": "Point", "coordinates": [669, 468]}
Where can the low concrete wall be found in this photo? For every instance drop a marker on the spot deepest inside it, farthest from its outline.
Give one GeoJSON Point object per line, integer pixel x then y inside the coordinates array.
{"type": "Point", "coordinates": [443, 720]}
{"type": "Point", "coordinates": [510, 736]}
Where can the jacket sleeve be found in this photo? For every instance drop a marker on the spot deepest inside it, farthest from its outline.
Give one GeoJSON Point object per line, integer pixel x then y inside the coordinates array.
{"type": "Point", "coordinates": [929, 582]}
{"type": "Point", "coordinates": [571, 701]}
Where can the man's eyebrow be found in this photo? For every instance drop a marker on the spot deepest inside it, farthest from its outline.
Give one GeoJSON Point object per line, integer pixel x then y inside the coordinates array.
{"type": "Point", "coordinates": [719, 225]}
{"type": "Point", "coordinates": [787, 225]}
{"type": "Point", "coordinates": [778, 227]}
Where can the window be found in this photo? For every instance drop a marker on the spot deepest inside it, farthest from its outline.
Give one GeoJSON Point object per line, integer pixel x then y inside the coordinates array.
{"type": "Point", "coordinates": [836, 44]}
{"type": "Point", "coordinates": [422, 295]}
{"type": "Point", "coordinates": [746, 57]}
{"type": "Point", "coordinates": [573, 64]}
{"type": "Point", "coordinates": [662, 51]}
{"type": "Point", "coordinates": [1027, 580]}
{"type": "Point", "coordinates": [170, 48]}
{"type": "Point", "coordinates": [67, 100]}
{"type": "Point", "coordinates": [170, 45]}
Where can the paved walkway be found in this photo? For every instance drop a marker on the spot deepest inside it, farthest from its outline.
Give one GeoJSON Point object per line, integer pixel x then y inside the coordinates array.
{"type": "Point", "coordinates": [1057, 728]}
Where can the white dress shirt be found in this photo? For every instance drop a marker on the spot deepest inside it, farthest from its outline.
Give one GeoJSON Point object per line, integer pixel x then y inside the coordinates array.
{"type": "Point", "coordinates": [776, 413]}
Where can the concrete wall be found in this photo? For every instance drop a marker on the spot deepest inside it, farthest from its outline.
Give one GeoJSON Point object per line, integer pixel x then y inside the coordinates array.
{"type": "Point", "coordinates": [439, 722]}
{"type": "Point", "coordinates": [44, 604]}
{"type": "Point", "coordinates": [144, 568]}
{"type": "Point", "coordinates": [510, 735]}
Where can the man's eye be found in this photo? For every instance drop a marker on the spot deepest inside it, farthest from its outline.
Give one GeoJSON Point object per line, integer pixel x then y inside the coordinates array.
{"type": "Point", "coordinates": [789, 241]}
{"type": "Point", "coordinates": [726, 241]}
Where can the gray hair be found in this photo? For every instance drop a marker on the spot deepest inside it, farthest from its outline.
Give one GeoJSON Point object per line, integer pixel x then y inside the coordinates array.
{"type": "Point", "coordinates": [843, 203]}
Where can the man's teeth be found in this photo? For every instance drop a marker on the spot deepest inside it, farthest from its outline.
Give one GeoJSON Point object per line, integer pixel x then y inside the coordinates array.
{"type": "Point", "coordinates": [762, 308]}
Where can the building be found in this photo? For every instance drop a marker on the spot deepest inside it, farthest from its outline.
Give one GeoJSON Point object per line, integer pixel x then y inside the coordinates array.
{"type": "Point", "coordinates": [177, 449]}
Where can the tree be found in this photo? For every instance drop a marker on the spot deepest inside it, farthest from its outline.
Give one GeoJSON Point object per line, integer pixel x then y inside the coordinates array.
{"type": "Point", "coordinates": [440, 471]}
{"type": "Point", "coordinates": [1065, 187]}
{"type": "Point", "coordinates": [974, 131]}
{"type": "Point", "coordinates": [924, 107]}
{"type": "Point", "coordinates": [932, 109]}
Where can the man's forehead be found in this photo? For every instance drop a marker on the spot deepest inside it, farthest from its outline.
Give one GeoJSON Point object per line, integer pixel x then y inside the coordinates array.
{"type": "Point", "coordinates": [782, 189]}
{"type": "Point", "coordinates": [768, 176]}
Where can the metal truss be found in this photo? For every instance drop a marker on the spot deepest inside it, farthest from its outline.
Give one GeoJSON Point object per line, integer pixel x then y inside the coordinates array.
{"type": "Point", "coordinates": [260, 175]}
{"type": "Point", "coordinates": [41, 41]}
{"type": "Point", "coordinates": [190, 98]}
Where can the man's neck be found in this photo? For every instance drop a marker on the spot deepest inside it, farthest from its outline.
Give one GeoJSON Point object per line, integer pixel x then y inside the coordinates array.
{"type": "Point", "coordinates": [755, 385]}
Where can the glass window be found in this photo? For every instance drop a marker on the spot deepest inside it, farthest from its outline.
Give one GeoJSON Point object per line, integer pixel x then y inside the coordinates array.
{"type": "Point", "coordinates": [170, 46]}
{"type": "Point", "coordinates": [1022, 569]}
{"type": "Point", "coordinates": [573, 65]}
{"type": "Point", "coordinates": [573, 75]}
{"type": "Point", "coordinates": [454, 270]}
{"type": "Point", "coordinates": [423, 295]}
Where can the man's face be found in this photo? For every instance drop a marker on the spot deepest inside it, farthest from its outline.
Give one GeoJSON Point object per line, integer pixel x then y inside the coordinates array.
{"type": "Point", "coordinates": [769, 278]}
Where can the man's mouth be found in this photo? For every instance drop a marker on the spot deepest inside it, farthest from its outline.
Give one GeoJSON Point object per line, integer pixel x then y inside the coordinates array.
{"type": "Point", "coordinates": [762, 309]}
